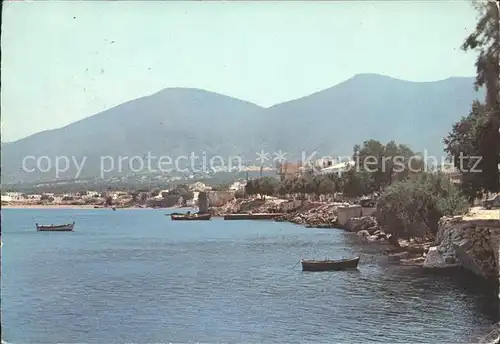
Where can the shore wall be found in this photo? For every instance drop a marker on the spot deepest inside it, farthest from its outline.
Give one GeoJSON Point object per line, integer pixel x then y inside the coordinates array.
{"type": "Point", "coordinates": [346, 213]}
{"type": "Point", "coordinates": [474, 244]}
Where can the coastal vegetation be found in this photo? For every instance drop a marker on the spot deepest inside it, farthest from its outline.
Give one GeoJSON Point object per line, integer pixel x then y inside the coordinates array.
{"type": "Point", "coordinates": [474, 142]}
{"type": "Point", "coordinates": [413, 207]}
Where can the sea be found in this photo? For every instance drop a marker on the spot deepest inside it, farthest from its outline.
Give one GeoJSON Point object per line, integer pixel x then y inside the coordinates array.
{"type": "Point", "coordinates": [135, 276]}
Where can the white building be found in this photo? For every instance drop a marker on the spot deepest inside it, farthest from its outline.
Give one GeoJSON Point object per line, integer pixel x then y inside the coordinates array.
{"type": "Point", "coordinates": [199, 186]}
{"type": "Point", "coordinates": [160, 194]}
{"type": "Point", "coordinates": [12, 196]}
{"type": "Point", "coordinates": [237, 186]}
{"type": "Point", "coordinates": [338, 168]}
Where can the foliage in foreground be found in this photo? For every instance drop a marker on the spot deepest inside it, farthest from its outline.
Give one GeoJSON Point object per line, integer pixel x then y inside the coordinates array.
{"type": "Point", "coordinates": [478, 134]}
{"type": "Point", "coordinates": [412, 208]}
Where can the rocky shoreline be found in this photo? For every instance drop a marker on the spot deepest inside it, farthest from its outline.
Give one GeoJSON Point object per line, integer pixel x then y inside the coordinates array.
{"type": "Point", "coordinates": [325, 215]}
{"type": "Point", "coordinates": [471, 243]}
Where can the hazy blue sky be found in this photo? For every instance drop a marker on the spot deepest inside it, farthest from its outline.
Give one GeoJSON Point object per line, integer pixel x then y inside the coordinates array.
{"type": "Point", "coordinates": [63, 61]}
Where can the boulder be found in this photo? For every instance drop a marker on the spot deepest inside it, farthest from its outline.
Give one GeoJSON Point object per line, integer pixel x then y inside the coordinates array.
{"type": "Point", "coordinates": [363, 233]}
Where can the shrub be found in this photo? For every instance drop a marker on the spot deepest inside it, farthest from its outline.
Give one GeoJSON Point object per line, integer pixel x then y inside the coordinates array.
{"type": "Point", "coordinates": [413, 207]}
{"type": "Point", "coordinates": [239, 194]}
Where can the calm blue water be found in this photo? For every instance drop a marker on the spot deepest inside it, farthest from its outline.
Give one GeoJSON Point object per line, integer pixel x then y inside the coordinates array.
{"type": "Point", "coordinates": [135, 276]}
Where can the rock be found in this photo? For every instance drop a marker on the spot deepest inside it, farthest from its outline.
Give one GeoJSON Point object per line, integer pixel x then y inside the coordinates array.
{"type": "Point", "coordinates": [434, 259]}
{"type": "Point", "coordinates": [403, 243]}
{"type": "Point", "coordinates": [363, 233]}
{"type": "Point", "coordinates": [372, 238]}
{"type": "Point", "coordinates": [398, 256]}
{"type": "Point", "coordinates": [450, 260]}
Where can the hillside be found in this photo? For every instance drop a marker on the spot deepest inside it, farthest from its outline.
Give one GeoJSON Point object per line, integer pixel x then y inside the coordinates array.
{"type": "Point", "coordinates": [178, 121]}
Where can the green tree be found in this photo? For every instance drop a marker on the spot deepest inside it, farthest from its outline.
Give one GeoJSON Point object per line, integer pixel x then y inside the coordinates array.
{"type": "Point", "coordinates": [355, 184]}
{"type": "Point", "coordinates": [267, 186]}
{"type": "Point", "coordinates": [485, 40]}
{"type": "Point", "coordinates": [134, 195]}
{"type": "Point", "coordinates": [251, 187]}
{"type": "Point", "coordinates": [463, 146]}
{"type": "Point", "coordinates": [323, 185]}
{"type": "Point", "coordinates": [414, 206]}
{"type": "Point", "coordinates": [386, 163]}
{"type": "Point", "coordinates": [239, 194]}
{"type": "Point", "coordinates": [155, 192]}
{"type": "Point", "coordinates": [109, 201]}
{"type": "Point", "coordinates": [221, 187]}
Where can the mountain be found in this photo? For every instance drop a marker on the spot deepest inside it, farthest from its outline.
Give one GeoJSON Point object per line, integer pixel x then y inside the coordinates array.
{"type": "Point", "coordinates": [368, 106]}
{"type": "Point", "coordinates": [177, 121]}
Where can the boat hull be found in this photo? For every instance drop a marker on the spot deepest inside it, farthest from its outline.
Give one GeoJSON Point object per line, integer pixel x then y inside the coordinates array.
{"type": "Point", "coordinates": [330, 265]}
{"type": "Point", "coordinates": [59, 228]}
{"type": "Point", "coordinates": [184, 217]}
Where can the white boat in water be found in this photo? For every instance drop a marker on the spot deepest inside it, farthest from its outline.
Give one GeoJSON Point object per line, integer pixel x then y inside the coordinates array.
{"type": "Point", "coordinates": [56, 228]}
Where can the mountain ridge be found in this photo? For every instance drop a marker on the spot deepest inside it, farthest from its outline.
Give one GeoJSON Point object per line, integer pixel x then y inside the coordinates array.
{"type": "Point", "coordinates": [176, 121]}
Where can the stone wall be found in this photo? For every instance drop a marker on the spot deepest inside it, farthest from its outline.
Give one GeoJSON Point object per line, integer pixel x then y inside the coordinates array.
{"type": "Point", "coordinates": [473, 244]}
{"type": "Point", "coordinates": [345, 213]}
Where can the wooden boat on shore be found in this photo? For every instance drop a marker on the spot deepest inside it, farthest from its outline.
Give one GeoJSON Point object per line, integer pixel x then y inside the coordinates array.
{"type": "Point", "coordinates": [330, 265]}
{"type": "Point", "coordinates": [55, 228]}
{"type": "Point", "coordinates": [189, 217]}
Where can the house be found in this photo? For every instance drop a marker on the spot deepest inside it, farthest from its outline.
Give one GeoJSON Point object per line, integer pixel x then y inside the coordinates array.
{"type": "Point", "coordinates": [289, 170]}
{"type": "Point", "coordinates": [324, 163]}
{"type": "Point", "coordinates": [339, 168]}
{"type": "Point", "coordinates": [237, 186]}
{"type": "Point", "coordinates": [161, 193]}
{"type": "Point", "coordinates": [199, 186]}
{"type": "Point", "coordinates": [12, 197]}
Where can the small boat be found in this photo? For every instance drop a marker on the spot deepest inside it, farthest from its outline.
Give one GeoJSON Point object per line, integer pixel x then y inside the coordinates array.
{"type": "Point", "coordinates": [329, 265]}
{"type": "Point", "coordinates": [189, 217]}
{"type": "Point", "coordinates": [56, 228]}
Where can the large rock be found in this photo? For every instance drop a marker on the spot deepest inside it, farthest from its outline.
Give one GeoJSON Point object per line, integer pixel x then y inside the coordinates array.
{"type": "Point", "coordinates": [368, 223]}
{"type": "Point", "coordinates": [472, 243]}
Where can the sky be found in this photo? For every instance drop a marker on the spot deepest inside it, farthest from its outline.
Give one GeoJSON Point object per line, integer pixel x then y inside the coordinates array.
{"type": "Point", "coordinates": [64, 61]}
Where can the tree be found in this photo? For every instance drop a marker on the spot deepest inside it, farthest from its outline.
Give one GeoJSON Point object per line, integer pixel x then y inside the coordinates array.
{"type": "Point", "coordinates": [355, 184]}
{"type": "Point", "coordinates": [109, 201]}
{"type": "Point", "coordinates": [251, 187]}
{"type": "Point", "coordinates": [221, 187]}
{"type": "Point", "coordinates": [386, 163]}
{"type": "Point", "coordinates": [45, 197]}
{"type": "Point", "coordinates": [134, 195]}
{"type": "Point", "coordinates": [263, 186]}
{"type": "Point", "coordinates": [239, 194]}
{"type": "Point", "coordinates": [463, 146]}
{"type": "Point", "coordinates": [323, 185]}
{"type": "Point", "coordinates": [155, 192]}
{"type": "Point", "coordinates": [267, 186]}
{"type": "Point", "coordinates": [485, 40]}
{"type": "Point", "coordinates": [414, 206]}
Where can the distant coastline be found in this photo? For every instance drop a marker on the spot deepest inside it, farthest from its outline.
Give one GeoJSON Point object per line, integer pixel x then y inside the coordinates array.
{"type": "Point", "coordinates": [58, 206]}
